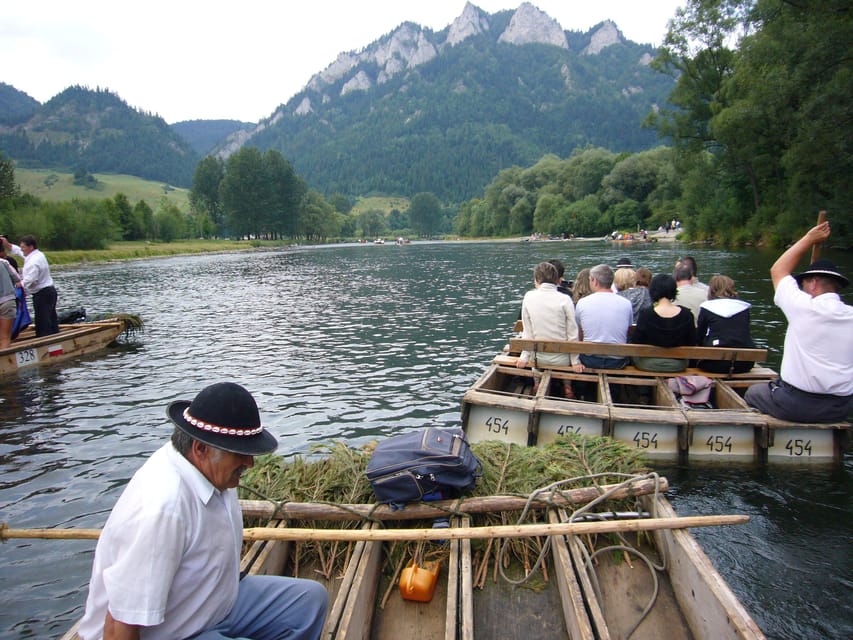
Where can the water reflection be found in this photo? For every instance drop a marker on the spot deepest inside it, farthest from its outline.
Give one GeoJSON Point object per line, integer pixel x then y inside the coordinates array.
{"type": "Point", "coordinates": [352, 343]}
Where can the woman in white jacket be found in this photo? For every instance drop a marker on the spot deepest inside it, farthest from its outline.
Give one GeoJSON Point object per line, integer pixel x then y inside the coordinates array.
{"type": "Point", "coordinates": [723, 322]}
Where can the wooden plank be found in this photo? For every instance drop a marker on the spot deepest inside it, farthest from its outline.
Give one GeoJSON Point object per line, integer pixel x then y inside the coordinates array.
{"type": "Point", "coordinates": [596, 615]}
{"type": "Point", "coordinates": [458, 620]}
{"type": "Point", "coordinates": [71, 634]}
{"type": "Point", "coordinates": [266, 558]}
{"type": "Point", "coordinates": [357, 615]}
{"type": "Point", "coordinates": [571, 595]}
{"type": "Point", "coordinates": [709, 605]}
{"type": "Point", "coordinates": [628, 349]}
{"type": "Point", "coordinates": [336, 611]}
{"type": "Point", "coordinates": [428, 510]}
{"type": "Point", "coordinates": [467, 587]}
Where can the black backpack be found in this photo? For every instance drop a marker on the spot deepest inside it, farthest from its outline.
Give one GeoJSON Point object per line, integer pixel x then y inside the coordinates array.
{"type": "Point", "coordinates": [429, 464]}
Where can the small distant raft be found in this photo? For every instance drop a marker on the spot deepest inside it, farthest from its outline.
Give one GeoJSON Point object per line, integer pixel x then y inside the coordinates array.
{"type": "Point", "coordinates": [648, 410]}
{"type": "Point", "coordinates": [73, 340]}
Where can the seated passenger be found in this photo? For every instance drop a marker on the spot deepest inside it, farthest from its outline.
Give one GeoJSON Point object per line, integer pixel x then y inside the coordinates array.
{"type": "Point", "coordinates": [664, 325]}
{"type": "Point", "coordinates": [625, 280]}
{"type": "Point", "coordinates": [547, 314]}
{"type": "Point", "coordinates": [723, 322]}
{"type": "Point", "coordinates": [580, 286]}
{"type": "Point", "coordinates": [603, 317]}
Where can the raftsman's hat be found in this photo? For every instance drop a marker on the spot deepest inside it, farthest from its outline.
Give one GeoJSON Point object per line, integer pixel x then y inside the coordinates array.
{"type": "Point", "coordinates": [824, 268]}
{"type": "Point", "coordinates": [223, 415]}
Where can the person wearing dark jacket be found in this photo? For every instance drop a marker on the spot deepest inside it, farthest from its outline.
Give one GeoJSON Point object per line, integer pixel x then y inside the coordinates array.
{"type": "Point", "coordinates": [665, 324]}
{"type": "Point", "coordinates": [723, 322]}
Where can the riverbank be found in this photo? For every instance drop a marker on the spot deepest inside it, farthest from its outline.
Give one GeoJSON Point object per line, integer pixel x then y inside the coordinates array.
{"type": "Point", "coordinates": [141, 250]}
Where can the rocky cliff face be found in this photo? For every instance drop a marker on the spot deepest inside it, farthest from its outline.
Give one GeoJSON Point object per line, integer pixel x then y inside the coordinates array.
{"type": "Point", "coordinates": [410, 45]}
{"type": "Point", "coordinates": [472, 22]}
{"type": "Point", "coordinates": [606, 35]}
{"type": "Point", "coordinates": [530, 25]}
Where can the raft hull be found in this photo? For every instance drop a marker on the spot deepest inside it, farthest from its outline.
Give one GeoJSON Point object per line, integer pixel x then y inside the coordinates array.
{"type": "Point", "coordinates": [72, 341]}
{"type": "Point", "coordinates": [526, 407]}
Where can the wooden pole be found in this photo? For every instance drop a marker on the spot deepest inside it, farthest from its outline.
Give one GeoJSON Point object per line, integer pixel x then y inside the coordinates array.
{"type": "Point", "coordinates": [501, 531]}
{"type": "Point", "coordinates": [422, 510]}
{"type": "Point", "coordinates": [821, 218]}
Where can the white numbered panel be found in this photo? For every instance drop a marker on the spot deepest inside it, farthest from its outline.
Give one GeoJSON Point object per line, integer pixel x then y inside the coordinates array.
{"type": "Point", "coordinates": [552, 427]}
{"type": "Point", "coordinates": [26, 358]}
{"type": "Point", "coordinates": [655, 440]}
{"type": "Point", "coordinates": [802, 444]}
{"type": "Point", "coordinates": [492, 423]}
{"type": "Point", "coordinates": [717, 441]}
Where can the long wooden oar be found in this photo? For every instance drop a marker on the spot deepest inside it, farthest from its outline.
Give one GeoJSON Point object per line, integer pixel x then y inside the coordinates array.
{"type": "Point", "coordinates": [821, 218]}
{"type": "Point", "coordinates": [500, 531]}
{"type": "Point", "coordinates": [422, 510]}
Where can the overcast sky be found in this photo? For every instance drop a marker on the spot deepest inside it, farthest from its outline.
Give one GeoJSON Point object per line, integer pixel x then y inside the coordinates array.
{"type": "Point", "coordinates": [237, 59]}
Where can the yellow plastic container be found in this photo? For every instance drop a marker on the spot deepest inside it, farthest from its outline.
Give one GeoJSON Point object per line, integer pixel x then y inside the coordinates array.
{"type": "Point", "coordinates": [418, 583]}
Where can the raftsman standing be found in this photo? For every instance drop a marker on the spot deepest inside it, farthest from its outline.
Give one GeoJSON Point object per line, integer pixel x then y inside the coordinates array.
{"type": "Point", "coordinates": [816, 377]}
{"type": "Point", "coordinates": [38, 283]}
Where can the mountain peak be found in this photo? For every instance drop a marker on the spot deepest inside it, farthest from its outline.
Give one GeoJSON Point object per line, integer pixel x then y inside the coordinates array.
{"type": "Point", "coordinates": [471, 22]}
{"type": "Point", "coordinates": [604, 36]}
{"type": "Point", "coordinates": [530, 25]}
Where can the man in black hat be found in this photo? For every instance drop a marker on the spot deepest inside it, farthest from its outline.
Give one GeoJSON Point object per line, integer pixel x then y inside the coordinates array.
{"type": "Point", "coordinates": [167, 564]}
{"type": "Point", "coordinates": [816, 381]}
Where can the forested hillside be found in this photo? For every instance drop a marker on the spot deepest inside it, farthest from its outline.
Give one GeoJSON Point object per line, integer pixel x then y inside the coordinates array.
{"type": "Point", "coordinates": [97, 131]}
{"type": "Point", "coordinates": [205, 135]}
{"type": "Point", "coordinates": [449, 125]}
{"type": "Point", "coordinates": [15, 106]}
{"type": "Point", "coordinates": [761, 123]}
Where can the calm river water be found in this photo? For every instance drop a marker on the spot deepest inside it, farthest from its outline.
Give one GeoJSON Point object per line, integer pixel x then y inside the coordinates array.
{"type": "Point", "coordinates": [355, 342]}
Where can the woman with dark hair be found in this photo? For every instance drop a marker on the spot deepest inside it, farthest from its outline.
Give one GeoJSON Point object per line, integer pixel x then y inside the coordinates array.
{"type": "Point", "coordinates": [664, 324]}
{"type": "Point", "coordinates": [723, 322]}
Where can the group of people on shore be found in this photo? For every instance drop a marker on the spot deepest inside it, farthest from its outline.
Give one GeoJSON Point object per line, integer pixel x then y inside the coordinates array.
{"type": "Point", "coordinates": [34, 278]}
{"type": "Point", "coordinates": [621, 304]}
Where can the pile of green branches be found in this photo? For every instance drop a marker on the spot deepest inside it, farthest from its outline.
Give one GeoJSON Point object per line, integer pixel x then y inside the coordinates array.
{"type": "Point", "coordinates": [335, 473]}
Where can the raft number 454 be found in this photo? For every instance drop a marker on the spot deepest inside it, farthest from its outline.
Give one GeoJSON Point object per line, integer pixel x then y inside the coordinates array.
{"type": "Point", "coordinates": [646, 439]}
{"type": "Point", "coordinates": [496, 424]}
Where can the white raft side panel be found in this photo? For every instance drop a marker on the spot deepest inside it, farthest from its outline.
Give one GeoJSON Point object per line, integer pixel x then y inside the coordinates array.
{"type": "Point", "coordinates": [552, 427]}
{"type": "Point", "coordinates": [655, 440]}
{"type": "Point", "coordinates": [802, 444]}
{"type": "Point", "coordinates": [719, 441]}
{"type": "Point", "coordinates": [496, 423]}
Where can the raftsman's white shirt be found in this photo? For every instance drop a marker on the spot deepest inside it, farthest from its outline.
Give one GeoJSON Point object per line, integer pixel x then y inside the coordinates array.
{"type": "Point", "coordinates": [818, 355]}
{"type": "Point", "coordinates": [168, 557]}
{"type": "Point", "coordinates": [35, 273]}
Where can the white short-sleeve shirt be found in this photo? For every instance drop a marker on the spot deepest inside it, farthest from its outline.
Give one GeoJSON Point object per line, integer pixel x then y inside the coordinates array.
{"type": "Point", "coordinates": [818, 355]}
{"type": "Point", "coordinates": [168, 557]}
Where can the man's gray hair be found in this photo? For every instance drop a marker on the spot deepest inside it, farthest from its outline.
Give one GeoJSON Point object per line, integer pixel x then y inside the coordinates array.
{"type": "Point", "coordinates": [182, 441]}
{"type": "Point", "coordinates": [603, 274]}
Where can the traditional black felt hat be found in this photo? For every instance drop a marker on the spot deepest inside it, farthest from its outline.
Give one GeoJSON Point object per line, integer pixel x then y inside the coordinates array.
{"type": "Point", "coordinates": [624, 262]}
{"type": "Point", "coordinates": [824, 268]}
{"type": "Point", "coordinates": [223, 415]}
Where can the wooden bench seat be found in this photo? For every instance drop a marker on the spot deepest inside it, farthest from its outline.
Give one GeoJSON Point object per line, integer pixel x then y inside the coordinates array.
{"type": "Point", "coordinates": [725, 354]}
{"type": "Point", "coordinates": [756, 373]}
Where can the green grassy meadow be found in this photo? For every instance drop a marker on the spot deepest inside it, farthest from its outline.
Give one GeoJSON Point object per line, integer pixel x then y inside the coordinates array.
{"type": "Point", "coordinates": [53, 185]}
{"type": "Point", "coordinates": [368, 203]}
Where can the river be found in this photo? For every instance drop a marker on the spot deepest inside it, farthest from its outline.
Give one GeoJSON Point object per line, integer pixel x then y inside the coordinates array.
{"type": "Point", "coordinates": [354, 342]}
